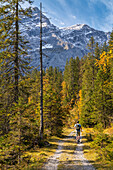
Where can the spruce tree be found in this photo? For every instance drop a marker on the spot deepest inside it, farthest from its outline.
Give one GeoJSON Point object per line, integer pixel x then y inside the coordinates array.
{"type": "Point", "coordinates": [88, 116]}
{"type": "Point", "coordinates": [71, 81]}
{"type": "Point", "coordinates": [52, 102]}
{"type": "Point", "coordinates": [14, 66]}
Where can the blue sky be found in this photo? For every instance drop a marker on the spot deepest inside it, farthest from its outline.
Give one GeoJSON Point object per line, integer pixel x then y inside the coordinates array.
{"type": "Point", "coordinates": [96, 13]}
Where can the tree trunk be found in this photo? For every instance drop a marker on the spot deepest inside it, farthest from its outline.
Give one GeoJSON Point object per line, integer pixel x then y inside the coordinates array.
{"type": "Point", "coordinates": [16, 55]}
{"type": "Point", "coordinates": [41, 78]}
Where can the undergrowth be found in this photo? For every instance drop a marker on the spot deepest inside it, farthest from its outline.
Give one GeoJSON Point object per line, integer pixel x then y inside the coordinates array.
{"type": "Point", "coordinates": [101, 145]}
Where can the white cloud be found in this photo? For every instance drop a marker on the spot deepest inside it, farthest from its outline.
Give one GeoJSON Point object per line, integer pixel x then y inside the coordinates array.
{"type": "Point", "coordinates": [26, 5]}
{"type": "Point", "coordinates": [109, 3]}
{"type": "Point", "coordinates": [62, 2]}
{"type": "Point", "coordinates": [73, 16]}
{"type": "Point", "coordinates": [66, 7]}
{"type": "Point", "coordinates": [58, 21]}
{"type": "Point", "coordinates": [108, 20]}
{"type": "Point", "coordinates": [62, 23]}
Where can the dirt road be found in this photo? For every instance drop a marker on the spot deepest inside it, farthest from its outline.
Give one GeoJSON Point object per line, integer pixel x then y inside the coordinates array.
{"type": "Point", "coordinates": [68, 156]}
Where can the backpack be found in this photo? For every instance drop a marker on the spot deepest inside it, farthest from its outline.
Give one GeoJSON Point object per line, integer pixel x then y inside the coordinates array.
{"type": "Point", "coordinates": [77, 127]}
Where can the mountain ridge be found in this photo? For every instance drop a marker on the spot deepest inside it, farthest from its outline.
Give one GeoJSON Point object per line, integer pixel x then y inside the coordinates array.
{"type": "Point", "coordinates": [59, 44]}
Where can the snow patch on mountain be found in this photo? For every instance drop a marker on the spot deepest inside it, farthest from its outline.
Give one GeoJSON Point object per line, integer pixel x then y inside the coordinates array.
{"type": "Point", "coordinates": [47, 46]}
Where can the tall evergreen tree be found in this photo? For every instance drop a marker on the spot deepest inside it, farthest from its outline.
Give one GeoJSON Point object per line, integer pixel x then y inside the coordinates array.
{"type": "Point", "coordinates": [71, 81]}
{"type": "Point", "coordinates": [14, 61]}
{"type": "Point", "coordinates": [88, 116]}
{"type": "Point", "coordinates": [14, 66]}
{"type": "Point", "coordinates": [53, 114]}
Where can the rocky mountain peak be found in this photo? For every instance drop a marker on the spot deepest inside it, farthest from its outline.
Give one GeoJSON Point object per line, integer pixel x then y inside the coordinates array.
{"type": "Point", "coordinates": [35, 9]}
{"type": "Point", "coordinates": [59, 44]}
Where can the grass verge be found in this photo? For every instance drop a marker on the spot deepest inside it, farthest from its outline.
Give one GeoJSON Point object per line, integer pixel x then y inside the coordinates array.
{"type": "Point", "coordinates": [36, 157]}
{"type": "Point", "coordinates": [94, 154]}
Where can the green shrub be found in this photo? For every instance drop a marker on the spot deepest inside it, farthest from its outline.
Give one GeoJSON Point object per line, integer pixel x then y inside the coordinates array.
{"type": "Point", "coordinates": [103, 143]}
{"type": "Point", "coordinates": [109, 151]}
{"type": "Point", "coordinates": [89, 137]}
{"type": "Point", "coordinates": [101, 140]}
{"type": "Point", "coordinates": [99, 127]}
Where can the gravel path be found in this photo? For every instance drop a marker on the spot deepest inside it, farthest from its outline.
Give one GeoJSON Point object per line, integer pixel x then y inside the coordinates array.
{"type": "Point", "coordinates": [79, 156]}
{"type": "Point", "coordinates": [80, 163]}
{"type": "Point", "coordinates": [53, 161]}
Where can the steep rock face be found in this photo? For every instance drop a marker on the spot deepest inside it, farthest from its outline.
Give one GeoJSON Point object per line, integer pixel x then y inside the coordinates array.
{"type": "Point", "coordinates": [59, 44]}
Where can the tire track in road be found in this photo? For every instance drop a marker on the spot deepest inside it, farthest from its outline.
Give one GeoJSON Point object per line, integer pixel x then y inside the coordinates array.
{"type": "Point", "coordinates": [79, 156]}
{"type": "Point", "coordinates": [53, 161]}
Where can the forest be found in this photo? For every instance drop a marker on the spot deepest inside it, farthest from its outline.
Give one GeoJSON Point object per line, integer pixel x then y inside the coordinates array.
{"type": "Point", "coordinates": [85, 85]}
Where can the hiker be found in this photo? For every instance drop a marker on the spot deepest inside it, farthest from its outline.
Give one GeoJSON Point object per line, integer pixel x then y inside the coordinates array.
{"type": "Point", "coordinates": [78, 130]}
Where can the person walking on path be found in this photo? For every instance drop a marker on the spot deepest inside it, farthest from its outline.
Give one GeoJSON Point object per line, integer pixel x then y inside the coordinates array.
{"type": "Point", "coordinates": [78, 130]}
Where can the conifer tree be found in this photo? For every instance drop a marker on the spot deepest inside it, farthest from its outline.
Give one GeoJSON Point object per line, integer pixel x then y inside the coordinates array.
{"type": "Point", "coordinates": [52, 101]}
{"type": "Point", "coordinates": [88, 116]}
{"type": "Point", "coordinates": [96, 92]}
{"type": "Point", "coordinates": [105, 47]}
{"type": "Point", "coordinates": [103, 89]}
{"type": "Point", "coordinates": [111, 61]}
{"type": "Point", "coordinates": [13, 46]}
{"type": "Point", "coordinates": [71, 81]}
{"type": "Point", "coordinates": [111, 41]}
{"type": "Point", "coordinates": [14, 66]}
{"type": "Point", "coordinates": [97, 51]}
